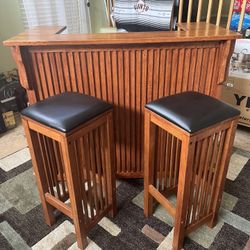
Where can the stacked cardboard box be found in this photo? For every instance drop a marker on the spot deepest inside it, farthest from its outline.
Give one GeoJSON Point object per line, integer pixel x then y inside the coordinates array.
{"type": "Point", "coordinates": [236, 90]}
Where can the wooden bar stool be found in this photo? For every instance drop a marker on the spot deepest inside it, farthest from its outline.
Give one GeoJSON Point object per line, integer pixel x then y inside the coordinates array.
{"type": "Point", "coordinates": [199, 131]}
{"type": "Point", "coordinates": [70, 137]}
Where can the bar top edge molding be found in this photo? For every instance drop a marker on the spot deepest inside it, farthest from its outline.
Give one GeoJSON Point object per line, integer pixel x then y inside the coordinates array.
{"type": "Point", "coordinates": [50, 35]}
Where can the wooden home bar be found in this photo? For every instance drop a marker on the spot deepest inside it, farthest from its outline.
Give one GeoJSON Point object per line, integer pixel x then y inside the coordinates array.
{"type": "Point", "coordinates": [127, 70]}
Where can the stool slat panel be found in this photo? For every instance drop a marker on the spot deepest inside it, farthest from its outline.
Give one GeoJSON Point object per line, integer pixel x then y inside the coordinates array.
{"type": "Point", "coordinates": [195, 163]}
{"type": "Point", "coordinates": [74, 169]}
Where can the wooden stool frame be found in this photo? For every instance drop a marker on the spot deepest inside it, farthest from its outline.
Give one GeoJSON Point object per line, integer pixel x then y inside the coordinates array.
{"type": "Point", "coordinates": [61, 165]}
{"type": "Point", "coordinates": [199, 186]}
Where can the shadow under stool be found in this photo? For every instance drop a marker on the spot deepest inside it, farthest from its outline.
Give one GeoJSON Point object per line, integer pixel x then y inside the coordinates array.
{"type": "Point", "coordinates": [70, 137]}
{"type": "Point", "coordinates": [196, 134]}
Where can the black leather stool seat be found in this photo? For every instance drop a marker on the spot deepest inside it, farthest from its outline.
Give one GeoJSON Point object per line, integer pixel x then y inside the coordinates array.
{"type": "Point", "coordinates": [66, 111]}
{"type": "Point", "coordinates": [192, 111]}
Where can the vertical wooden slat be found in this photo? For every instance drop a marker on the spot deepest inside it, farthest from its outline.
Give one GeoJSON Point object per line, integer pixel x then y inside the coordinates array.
{"type": "Point", "coordinates": [127, 109]}
{"type": "Point", "coordinates": [216, 167]}
{"type": "Point", "coordinates": [175, 56]}
{"type": "Point", "coordinates": [37, 76]}
{"type": "Point", "coordinates": [167, 160]}
{"type": "Point", "coordinates": [89, 177]}
{"type": "Point", "coordinates": [138, 108]}
{"type": "Point", "coordinates": [103, 77]}
{"type": "Point", "coordinates": [180, 11]}
{"type": "Point", "coordinates": [219, 13]}
{"type": "Point", "coordinates": [161, 159]}
{"type": "Point", "coordinates": [177, 162]}
{"type": "Point", "coordinates": [204, 69]}
{"type": "Point", "coordinates": [190, 7]}
{"type": "Point", "coordinates": [185, 78]}
{"type": "Point", "coordinates": [198, 173]}
{"type": "Point", "coordinates": [54, 75]}
{"type": "Point", "coordinates": [180, 71]}
{"type": "Point", "coordinates": [230, 13]}
{"type": "Point", "coordinates": [104, 167]}
{"type": "Point", "coordinates": [91, 79]}
{"type": "Point", "coordinates": [192, 68]}
{"type": "Point", "coordinates": [47, 169]}
{"type": "Point", "coordinates": [96, 74]}
{"type": "Point", "coordinates": [209, 72]}
{"type": "Point", "coordinates": [85, 78]}
{"type": "Point", "coordinates": [60, 72]}
{"type": "Point", "coordinates": [48, 74]}
{"type": "Point", "coordinates": [116, 104]}
{"type": "Point", "coordinates": [156, 74]}
{"type": "Point", "coordinates": [209, 10]}
{"type": "Point", "coordinates": [60, 168]}
{"type": "Point", "coordinates": [144, 68]}
{"type": "Point", "coordinates": [53, 166]}
{"type": "Point", "coordinates": [78, 158]}
{"type": "Point", "coordinates": [93, 171]}
{"type": "Point", "coordinates": [211, 175]}
{"type": "Point", "coordinates": [167, 89]}
{"type": "Point", "coordinates": [242, 14]}
{"type": "Point", "coordinates": [133, 108]}
{"type": "Point", "coordinates": [66, 72]}
{"type": "Point", "coordinates": [78, 71]}
{"type": "Point", "coordinates": [121, 91]}
{"type": "Point", "coordinates": [42, 75]}
{"type": "Point", "coordinates": [150, 75]}
{"type": "Point", "coordinates": [198, 70]}
{"type": "Point", "coordinates": [108, 69]}
{"type": "Point", "coordinates": [161, 73]}
{"type": "Point", "coordinates": [98, 166]}
{"type": "Point", "coordinates": [198, 17]}
{"type": "Point", "coordinates": [172, 162]}
{"type": "Point", "coordinates": [71, 62]}
{"type": "Point", "coordinates": [215, 72]}
{"type": "Point", "coordinates": [205, 182]}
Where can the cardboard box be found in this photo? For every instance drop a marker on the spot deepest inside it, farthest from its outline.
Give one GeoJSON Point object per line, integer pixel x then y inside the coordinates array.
{"type": "Point", "coordinates": [236, 92]}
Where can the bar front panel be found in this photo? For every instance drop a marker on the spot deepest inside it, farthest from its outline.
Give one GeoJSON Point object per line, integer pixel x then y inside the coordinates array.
{"type": "Point", "coordinates": [129, 77]}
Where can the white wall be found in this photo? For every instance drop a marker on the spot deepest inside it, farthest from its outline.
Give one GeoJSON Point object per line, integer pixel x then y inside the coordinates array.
{"type": "Point", "coordinates": [97, 15]}
{"type": "Point", "coordinates": [10, 25]}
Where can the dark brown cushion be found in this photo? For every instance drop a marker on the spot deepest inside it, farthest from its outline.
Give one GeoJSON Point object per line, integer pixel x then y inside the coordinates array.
{"type": "Point", "coordinates": [192, 111]}
{"type": "Point", "coordinates": [66, 111]}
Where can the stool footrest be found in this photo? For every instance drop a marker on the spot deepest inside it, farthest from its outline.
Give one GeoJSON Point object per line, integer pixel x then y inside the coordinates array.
{"type": "Point", "coordinates": [162, 200]}
{"type": "Point", "coordinates": [200, 222]}
{"type": "Point", "coordinates": [59, 205]}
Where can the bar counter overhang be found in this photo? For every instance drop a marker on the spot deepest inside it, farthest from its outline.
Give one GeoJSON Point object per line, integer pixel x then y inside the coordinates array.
{"type": "Point", "coordinates": [128, 70]}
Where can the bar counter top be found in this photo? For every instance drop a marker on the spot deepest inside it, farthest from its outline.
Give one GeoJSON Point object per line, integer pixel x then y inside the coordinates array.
{"type": "Point", "coordinates": [195, 32]}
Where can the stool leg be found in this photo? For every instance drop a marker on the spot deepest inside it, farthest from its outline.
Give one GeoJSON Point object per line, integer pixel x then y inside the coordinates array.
{"type": "Point", "coordinates": [149, 160]}
{"type": "Point", "coordinates": [186, 162]}
{"type": "Point", "coordinates": [74, 187]}
{"type": "Point", "coordinates": [110, 162]}
{"type": "Point", "coordinates": [33, 143]}
{"type": "Point", "coordinates": [225, 158]}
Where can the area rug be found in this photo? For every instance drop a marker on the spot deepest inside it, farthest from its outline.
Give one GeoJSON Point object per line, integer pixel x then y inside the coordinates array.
{"type": "Point", "coordinates": [22, 225]}
{"type": "Point", "coordinates": [13, 140]}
